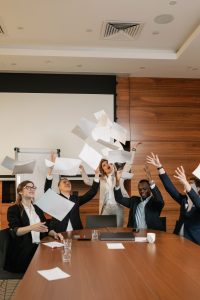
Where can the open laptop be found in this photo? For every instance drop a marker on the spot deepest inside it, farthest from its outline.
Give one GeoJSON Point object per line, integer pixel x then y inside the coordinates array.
{"type": "Point", "coordinates": [116, 236]}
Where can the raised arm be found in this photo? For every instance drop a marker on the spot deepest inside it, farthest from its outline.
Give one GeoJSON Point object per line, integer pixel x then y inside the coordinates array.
{"type": "Point", "coordinates": [153, 159]}
{"type": "Point", "coordinates": [125, 201]}
{"type": "Point", "coordinates": [49, 178]}
{"type": "Point", "coordinates": [89, 194]}
{"type": "Point", "coordinates": [85, 178]}
{"type": "Point", "coordinates": [128, 166]}
{"type": "Point", "coordinates": [180, 175]}
{"type": "Point", "coordinates": [157, 196]}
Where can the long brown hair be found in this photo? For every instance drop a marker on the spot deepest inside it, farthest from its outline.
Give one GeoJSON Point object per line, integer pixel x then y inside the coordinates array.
{"type": "Point", "coordinates": [100, 166]}
{"type": "Point", "coordinates": [19, 189]}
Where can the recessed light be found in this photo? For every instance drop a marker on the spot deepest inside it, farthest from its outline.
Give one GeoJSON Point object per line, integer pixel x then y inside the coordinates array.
{"type": "Point", "coordinates": [142, 68]}
{"type": "Point", "coordinates": [79, 66]}
{"type": "Point", "coordinates": [48, 61]}
{"type": "Point", "coordinates": [89, 30]}
{"type": "Point", "coordinates": [155, 32]}
{"type": "Point", "coordinates": [13, 64]}
{"type": "Point", "coordinates": [172, 2]}
{"type": "Point", "coordinates": [195, 69]}
{"type": "Point", "coordinates": [164, 19]}
{"type": "Point", "coordinates": [20, 27]}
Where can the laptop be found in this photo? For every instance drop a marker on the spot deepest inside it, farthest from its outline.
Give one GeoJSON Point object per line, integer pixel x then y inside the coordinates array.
{"type": "Point", "coordinates": [116, 236]}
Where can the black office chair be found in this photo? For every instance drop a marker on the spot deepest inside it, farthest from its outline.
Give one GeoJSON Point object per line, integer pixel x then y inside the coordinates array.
{"type": "Point", "coordinates": [164, 223]}
{"type": "Point", "coordinates": [5, 237]}
{"type": "Point", "coordinates": [96, 221]}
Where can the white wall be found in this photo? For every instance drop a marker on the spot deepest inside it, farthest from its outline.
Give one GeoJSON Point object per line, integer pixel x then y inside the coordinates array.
{"type": "Point", "coordinates": [45, 121]}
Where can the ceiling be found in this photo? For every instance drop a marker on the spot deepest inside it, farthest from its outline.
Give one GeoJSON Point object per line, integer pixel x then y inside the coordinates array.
{"type": "Point", "coordinates": [67, 36]}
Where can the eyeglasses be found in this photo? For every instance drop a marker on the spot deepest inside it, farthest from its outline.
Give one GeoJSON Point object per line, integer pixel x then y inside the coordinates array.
{"type": "Point", "coordinates": [29, 188]}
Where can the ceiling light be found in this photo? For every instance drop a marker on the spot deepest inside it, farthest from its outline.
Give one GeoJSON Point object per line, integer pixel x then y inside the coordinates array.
{"type": "Point", "coordinates": [163, 19]}
{"type": "Point", "coordinates": [155, 32]}
{"type": "Point", "coordinates": [89, 30]}
{"type": "Point", "coordinates": [20, 27]}
{"type": "Point", "coordinates": [142, 68]}
{"type": "Point", "coordinates": [79, 66]}
{"type": "Point", "coordinates": [172, 2]}
{"type": "Point", "coordinates": [13, 64]}
{"type": "Point", "coordinates": [47, 61]}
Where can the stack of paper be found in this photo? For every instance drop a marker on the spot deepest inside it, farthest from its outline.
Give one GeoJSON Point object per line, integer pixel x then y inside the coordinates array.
{"type": "Point", "coordinates": [53, 274]}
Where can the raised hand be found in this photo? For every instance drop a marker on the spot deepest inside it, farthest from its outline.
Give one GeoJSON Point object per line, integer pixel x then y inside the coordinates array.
{"type": "Point", "coordinates": [97, 172]}
{"type": "Point", "coordinates": [153, 160]}
{"type": "Point", "coordinates": [135, 145]}
{"type": "Point", "coordinates": [180, 175]}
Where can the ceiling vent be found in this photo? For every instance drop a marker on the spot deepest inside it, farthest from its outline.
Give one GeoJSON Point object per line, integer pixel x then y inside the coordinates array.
{"type": "Point", "coordinates": [121, 30]}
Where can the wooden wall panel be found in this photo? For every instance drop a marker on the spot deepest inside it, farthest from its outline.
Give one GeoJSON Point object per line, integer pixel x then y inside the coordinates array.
{"type": "Point", "coordinates": [164, 114]}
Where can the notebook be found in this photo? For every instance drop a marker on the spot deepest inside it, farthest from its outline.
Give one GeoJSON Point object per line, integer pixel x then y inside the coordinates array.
{"type": "Point", "coordinates": [116, 236]}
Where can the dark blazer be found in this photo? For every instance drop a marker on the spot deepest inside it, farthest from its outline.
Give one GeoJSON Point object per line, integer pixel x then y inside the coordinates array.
{"type": "Point", "coordinates": [152, 209]}
{"type": "Point", "coordinates": [21, 249]}
{"type": "Point", "coordinates": [191, 219]}
{"type": "Point", "coordinates": [74, 214]}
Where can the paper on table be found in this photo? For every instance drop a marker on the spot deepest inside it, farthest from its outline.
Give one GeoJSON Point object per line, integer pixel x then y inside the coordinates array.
{"type": "Point", "coordinates": [115, 246]}
{"type": "Point", "coordinates": [118, 133]}
{"type": "Point", "coordinates": [54, 204]}
{"type": "Point", "coordinates": [84, 128]}
{"type": "Point", "coordinates": [140, 239]}
{"type": "Point", "coordinates": [66, 166]}
{"type": "Point", "coordinates": [196, 172]}
{"type": "Point", "coordinates": [8, 163]}
{"type": "Point", "coordinates": [53, 274]}
{"type": "Point", "coordinates": [49, 163]}
{"type": "Point", "coordinates": [24, 167]}
{"type": "Point", "coordinates": [120, 156]}
{"type": "Point", "coordinates": [90, 156]}
{"type": "Point", "coordinates": [53, 244]}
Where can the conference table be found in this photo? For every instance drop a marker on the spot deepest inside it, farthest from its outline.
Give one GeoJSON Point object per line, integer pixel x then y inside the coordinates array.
{"type": "Point", "coordinates": [166, 269]}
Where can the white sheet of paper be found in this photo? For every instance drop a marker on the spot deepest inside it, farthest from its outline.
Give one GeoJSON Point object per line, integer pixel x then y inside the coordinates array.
{"type": "Point", "coordinates": [140, 239]}
{"type": "Point", "coordinates": [120, 156]}
{"type": "Point", "coordinates": [49, 163]}
{"type": "Point", "coordinates": [115, 246]}
{"type": "Point", "coordinates": [119, 145]}
{"type": "Point", "coordinates": [118, 133]}
{"type": "Point", "coordinates": [103, 119]}
{"type": "Point", "coordinates": [196, 172]}
{"type": "Point", "coordinates": [90, 156]}
{"type": "Point", "coordinates": [8, 163]}
{"type": "Point", "coordinates": [53, 244]}
{"type": "Point", "coordinates": [66, 166]}
{"type": "Point", "coordinates": [105, 151]}
{"type": "Point", "coordinates": [53, 274]}
{"type": "Point", "coordinates": [84, 128]}
{"type": "Point", "coordinates": [54, 204]}
{"type": "Point", "coordinates": [101, 133]}
{"type": "Point", "coordinates": [107, 144]}
{"type": "Point", "coordinates": [127, 175]}
{"type": "Point", "coordinates": [24, 167]}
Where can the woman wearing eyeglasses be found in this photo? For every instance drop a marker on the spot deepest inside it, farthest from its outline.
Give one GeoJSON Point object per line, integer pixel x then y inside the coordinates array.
{"type": "Point", "coordinates": [27, 225]}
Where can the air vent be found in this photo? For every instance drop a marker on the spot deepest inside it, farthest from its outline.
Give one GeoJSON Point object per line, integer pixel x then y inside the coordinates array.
{"type": "Point", "coordinates": [121, 30]}
{"type": "Point", "coordinates": [1, 30]}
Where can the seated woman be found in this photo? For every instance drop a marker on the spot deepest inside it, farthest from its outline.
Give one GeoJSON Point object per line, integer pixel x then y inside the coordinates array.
{"type": "Point", "coordinates": [188, 224]}
{"type": "Point", "coordinates": [27, 225]}
{"type": "Point", "coordinates": [72, 220]}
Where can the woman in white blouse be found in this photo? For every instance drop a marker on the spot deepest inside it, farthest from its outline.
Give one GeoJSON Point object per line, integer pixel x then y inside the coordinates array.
{"type": "Point", "coordinates": [27, 225]}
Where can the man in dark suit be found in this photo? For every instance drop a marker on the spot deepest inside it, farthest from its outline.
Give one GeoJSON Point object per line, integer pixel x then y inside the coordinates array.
{"type": "Point", "coordinates": [188, 224]}
{"type": "Point", "coordinates": [144, 211]}
{"type": "Point", "coordinates": [72, 220]}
